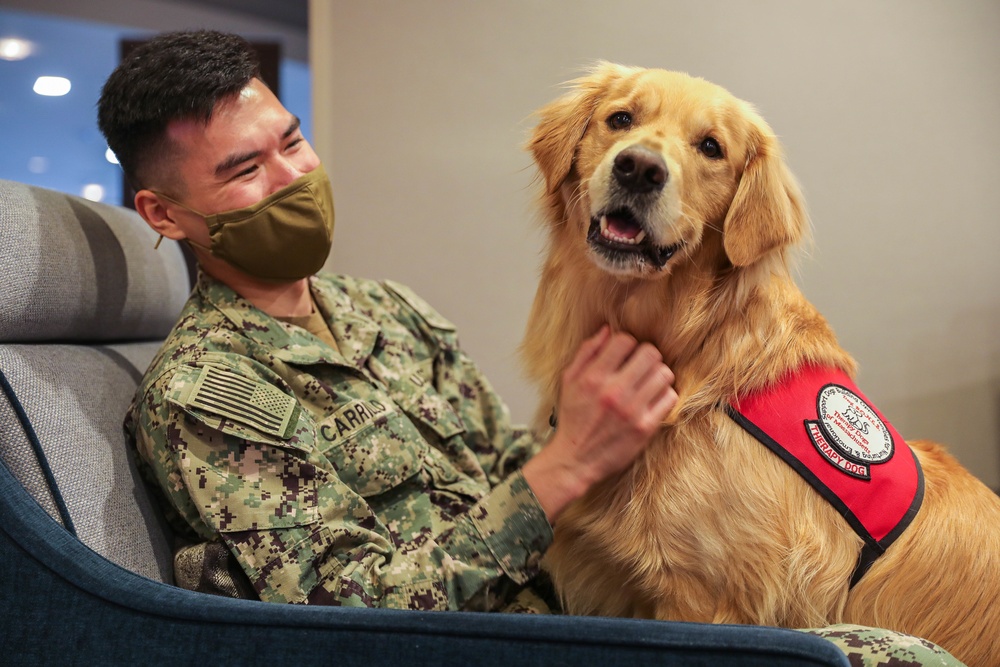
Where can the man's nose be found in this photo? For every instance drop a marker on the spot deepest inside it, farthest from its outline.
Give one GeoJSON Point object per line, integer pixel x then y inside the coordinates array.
{"type": "Point", "coordinates": [284, 171]}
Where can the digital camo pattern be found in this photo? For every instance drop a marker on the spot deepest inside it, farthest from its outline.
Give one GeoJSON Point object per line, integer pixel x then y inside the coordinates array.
{"type": "Point", "coordinates": [396, 486]}
{"type": "Point", "coordinates": [392, 480]}
{"type": "Point", "coordinates": [874, 647]}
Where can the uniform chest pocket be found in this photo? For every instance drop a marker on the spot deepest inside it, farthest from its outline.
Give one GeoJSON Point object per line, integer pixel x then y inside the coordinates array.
{"type": "Point", "coordinates": [412, 388]}
{"type": "Point", "coordinates": [372, 444]}
{"type": "Point", "coordinates": [431, 412]}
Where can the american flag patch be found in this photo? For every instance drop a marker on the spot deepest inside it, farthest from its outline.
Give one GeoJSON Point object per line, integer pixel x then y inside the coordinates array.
{"type": "Point", "coordinates": [256, 404]}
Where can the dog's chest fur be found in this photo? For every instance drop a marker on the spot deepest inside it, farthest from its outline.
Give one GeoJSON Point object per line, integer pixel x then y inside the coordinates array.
{"type": "Point", "coordinates": [699, 524]}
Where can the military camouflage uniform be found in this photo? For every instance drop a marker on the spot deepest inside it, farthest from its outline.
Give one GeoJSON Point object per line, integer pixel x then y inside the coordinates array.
{"type": "Point", "coordinates": [874, 647]}
{"type": "Point", "coordinates": [381, 473]}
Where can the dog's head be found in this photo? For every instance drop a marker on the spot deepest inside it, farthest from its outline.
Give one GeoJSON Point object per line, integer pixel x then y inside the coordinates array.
{"type": "Point", "coordinates": [640, 164]}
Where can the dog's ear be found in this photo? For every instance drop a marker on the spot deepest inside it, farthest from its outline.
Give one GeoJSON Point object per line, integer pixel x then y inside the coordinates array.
{"type": "Point", "coordinates": [562, 123]}
{"type": "Point", "coordinates": [768, 211]}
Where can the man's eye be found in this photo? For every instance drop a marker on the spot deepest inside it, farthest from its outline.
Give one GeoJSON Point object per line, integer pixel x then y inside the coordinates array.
{"type": "Point", "coordinates": [246, 172]}
{"type": "Point", "coordinates": [620, 120]}
{"type": "Point", "coordinates": [710, 148]}
{"type": "Point", "coordinates": [293, 143]}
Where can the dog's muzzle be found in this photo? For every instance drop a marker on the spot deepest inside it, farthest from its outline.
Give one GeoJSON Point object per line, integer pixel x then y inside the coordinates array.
{"type": "Point", "coordinates": [620, 233]}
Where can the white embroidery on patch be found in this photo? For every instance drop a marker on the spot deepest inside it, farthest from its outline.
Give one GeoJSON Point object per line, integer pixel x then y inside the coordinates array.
{"type": "Point", "coordinates": [830, 453]}
{"type": "Point", "coordinates": [849, 433]}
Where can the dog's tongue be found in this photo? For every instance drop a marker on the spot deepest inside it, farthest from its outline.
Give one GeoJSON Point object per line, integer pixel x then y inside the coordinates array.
{"type": "Point", "coordinates": [623, 227]}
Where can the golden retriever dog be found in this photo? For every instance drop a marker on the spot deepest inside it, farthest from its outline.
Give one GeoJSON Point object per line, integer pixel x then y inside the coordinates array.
{"type": "Point", "coordinates": [671, 215]}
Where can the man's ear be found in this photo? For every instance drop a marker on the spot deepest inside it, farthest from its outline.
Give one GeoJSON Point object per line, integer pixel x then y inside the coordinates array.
{"type": "Point", "coordinates": [154, 210]}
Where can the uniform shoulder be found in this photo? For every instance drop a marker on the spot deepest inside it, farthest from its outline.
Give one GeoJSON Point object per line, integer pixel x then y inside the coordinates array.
{"type": "Point", "coordinates": [416, 303]}
{"type": "Point", "coordinates": [387, 297]}
{"type": "Point", "coordinates": [198, 332]}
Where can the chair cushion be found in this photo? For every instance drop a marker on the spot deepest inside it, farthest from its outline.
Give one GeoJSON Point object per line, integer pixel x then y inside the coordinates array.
{"type": "Point", "coordinates": [76, 270]}
{"type": "Point", "coordinates": [81, 274]}
{"type": "Point", "coordinates": [74, 398]}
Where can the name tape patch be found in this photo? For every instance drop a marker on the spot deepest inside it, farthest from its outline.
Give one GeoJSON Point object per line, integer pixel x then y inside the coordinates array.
{"type": "Point", "coordinates": [353, 418]}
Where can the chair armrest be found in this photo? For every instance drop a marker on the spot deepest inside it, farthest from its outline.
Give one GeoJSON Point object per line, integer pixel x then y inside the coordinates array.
{"type": "Point", "coordinates": [61, 599]}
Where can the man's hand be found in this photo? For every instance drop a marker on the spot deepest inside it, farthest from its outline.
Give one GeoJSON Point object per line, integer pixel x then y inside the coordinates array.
{"type": "Point", "coordinates": [615, 395]}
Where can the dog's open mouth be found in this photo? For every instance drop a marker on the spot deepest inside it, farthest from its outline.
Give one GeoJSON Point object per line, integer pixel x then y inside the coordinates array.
{"type": "Point", "coordinates": [619, 236]}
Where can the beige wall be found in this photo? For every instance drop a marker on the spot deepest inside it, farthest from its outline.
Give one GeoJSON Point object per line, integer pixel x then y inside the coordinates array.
{"type": "Point", "coordinates": [888, 110]}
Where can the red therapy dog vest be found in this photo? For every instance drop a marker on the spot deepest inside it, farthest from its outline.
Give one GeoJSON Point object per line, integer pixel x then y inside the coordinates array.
{"type": "Point", "coordinates": [821, 425]}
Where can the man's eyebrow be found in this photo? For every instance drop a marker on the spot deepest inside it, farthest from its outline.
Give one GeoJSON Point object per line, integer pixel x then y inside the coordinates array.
{"type": "Point", "coordinates": [237, 159]}
{"type": "Point", "coordinates": [234, 161]}
{"type": "Point", "coordinates": [294, 125]}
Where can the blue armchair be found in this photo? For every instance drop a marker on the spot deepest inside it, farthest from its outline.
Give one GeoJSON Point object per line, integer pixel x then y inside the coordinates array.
{"type": "Point", "coordinates": [85, 572]}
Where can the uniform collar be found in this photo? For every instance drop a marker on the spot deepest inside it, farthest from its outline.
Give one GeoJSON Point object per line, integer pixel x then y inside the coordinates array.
{"type": "Point", "coordinates": [355, 333]}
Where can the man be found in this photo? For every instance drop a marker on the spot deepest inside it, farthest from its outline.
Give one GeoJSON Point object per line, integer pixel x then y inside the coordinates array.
{"type": "Point", "coordinates": [324, 439]}
{"type": "Point", "coordinates": [329, 432]}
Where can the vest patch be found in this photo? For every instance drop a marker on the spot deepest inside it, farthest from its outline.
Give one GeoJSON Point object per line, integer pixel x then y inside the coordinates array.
{"type": "Point", "coordinates": [819, 423]}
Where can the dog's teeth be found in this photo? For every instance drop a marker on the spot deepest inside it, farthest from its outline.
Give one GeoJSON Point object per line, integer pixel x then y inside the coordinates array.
{"type": "Point", "coordinates": [608, 234]}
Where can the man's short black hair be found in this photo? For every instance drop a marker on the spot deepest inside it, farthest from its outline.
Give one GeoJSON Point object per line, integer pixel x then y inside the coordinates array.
{"type": "Point", "coordinates": [174, 76]}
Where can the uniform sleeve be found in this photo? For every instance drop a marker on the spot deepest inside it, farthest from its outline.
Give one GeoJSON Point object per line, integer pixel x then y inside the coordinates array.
{"type": "Point", "coordinates": [303, 535]}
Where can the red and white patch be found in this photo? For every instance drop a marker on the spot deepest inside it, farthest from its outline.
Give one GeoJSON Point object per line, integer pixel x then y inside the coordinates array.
{"type": "Point", "coordinates": [849, 433]}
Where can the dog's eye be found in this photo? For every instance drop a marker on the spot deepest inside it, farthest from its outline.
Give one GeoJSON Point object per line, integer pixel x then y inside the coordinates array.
{"type": "Point", "coordinates": [711, 148]}
{"type": "Point", "coordinates": [620, 120]}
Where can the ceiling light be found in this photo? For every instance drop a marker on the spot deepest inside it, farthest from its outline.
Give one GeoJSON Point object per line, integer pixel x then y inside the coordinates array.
{"type": "Point", "coordinates": [93, 192]}
{"type": "Point", "coordinates": [51, 86]}
{"type": "Point", "coordinates": [12, 48]}
{"type": "Point", "coordinates": [110, 156]}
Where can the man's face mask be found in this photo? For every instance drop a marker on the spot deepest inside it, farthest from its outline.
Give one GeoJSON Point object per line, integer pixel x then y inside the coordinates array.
{"type": "Point", "coordinates": [282, 238]}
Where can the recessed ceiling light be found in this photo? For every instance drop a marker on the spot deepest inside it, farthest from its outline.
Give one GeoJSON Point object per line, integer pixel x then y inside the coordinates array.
{"type": "Point", "coordinates": [93, 192]}
{"type": "Point", "coordinates": [52, 86]}
{"type": "Point", "coordinates": [110, 156]}
{"type": "Point", "coordinates": [12, 48]}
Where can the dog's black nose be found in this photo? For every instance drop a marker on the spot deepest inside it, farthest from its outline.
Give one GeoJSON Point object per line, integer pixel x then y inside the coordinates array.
{"type": "Point", "coordinates": [640, 169]}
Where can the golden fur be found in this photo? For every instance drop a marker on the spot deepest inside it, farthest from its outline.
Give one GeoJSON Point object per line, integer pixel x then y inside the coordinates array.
{"type": "Point", "coordinates": [709, 525]}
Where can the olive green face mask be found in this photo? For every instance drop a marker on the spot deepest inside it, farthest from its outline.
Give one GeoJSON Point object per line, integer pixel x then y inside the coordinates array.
{"type": "Point", "coordinates": [284, 237]}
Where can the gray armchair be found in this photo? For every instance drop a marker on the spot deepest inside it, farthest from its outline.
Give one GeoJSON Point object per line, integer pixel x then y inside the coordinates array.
{"type": "Point", "coordinates": [85, 575]}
